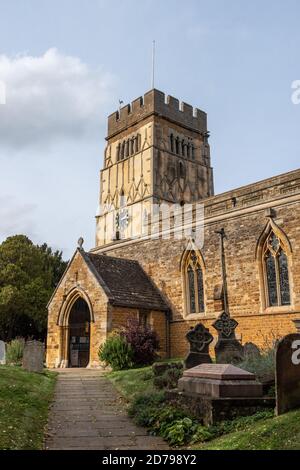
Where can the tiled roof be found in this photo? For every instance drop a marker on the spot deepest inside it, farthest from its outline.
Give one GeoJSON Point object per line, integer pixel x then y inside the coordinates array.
{"type": "Point", "coordinates": [125, 282]}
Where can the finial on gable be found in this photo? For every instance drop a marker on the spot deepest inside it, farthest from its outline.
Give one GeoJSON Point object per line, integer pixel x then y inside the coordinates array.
{"type": "Point", "coordinates": [80, 243]}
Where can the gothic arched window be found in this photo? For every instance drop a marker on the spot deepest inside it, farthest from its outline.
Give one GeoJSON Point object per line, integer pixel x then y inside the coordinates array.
{"type": "Point", "coordinates": [181, 170]}
{"type": "Point", "coordinates": [276, 272]}
{"type": "Point", "coordinates": [188, 150]}
{"type": "Point", "coordinates": [122, 154]}
{"type": "Point", "coordinates": [193, 152]}
{"type": "Point", "coordinates": [137, 143]}
{"type": "Point", "coordinates": [172, 143]}
{"type": "Point", "coordinates": [118, 152]}
{"type": "Point", "coordinates": [132, 146]}
{"type": "Point", "coordinates": [177, 145]}
{"type": "Point", "coordinates": [194, 283]}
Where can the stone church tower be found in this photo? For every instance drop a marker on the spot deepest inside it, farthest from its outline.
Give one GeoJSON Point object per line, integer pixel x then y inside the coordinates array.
{"type": "Point", "coordinates": [157, 151]}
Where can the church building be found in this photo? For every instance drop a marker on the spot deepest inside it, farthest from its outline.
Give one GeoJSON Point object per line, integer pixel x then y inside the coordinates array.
{"type": "Point", "coordinates": [168, 251]}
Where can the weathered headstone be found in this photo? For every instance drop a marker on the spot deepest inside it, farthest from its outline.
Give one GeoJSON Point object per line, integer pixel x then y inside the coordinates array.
{"type": "Point", "coordinates": [2, 352]}
{"type": "Point", "coordinates": [228, 349]}
{"type": "Point", "coordinates": [219, 381]}
{"type": "Point", "coordinates": [251, 351]}
{"type": "Point", "coordinates": [33, 356]}
{"type": "Point", "coordinates": [287, 374]}
{"type": "Point", "coordinates": [199, 339]}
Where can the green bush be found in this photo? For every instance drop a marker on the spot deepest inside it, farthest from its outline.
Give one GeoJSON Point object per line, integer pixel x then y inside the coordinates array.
{"type": "Point", "coordinates": [117, 353]}
{"type": "Point", "coordinates": [144, 406]}
{"type": "Point", "coordinates": [14, 351]}
{"type": "Point", "coordinates": [168, 379]}
{"type": "Point", "coordinates": [262, 366]}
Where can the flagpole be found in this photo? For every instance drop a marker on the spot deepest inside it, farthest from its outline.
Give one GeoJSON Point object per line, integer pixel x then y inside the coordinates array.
{"type": "Point", "coordinates": [153, 64]}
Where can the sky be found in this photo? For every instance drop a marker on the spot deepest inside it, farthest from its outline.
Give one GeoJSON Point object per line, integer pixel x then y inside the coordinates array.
{"type": "Point", "coordinates": [67, 63]}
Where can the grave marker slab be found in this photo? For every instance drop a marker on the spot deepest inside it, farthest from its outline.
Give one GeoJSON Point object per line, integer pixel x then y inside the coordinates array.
{"type": "Point", "coordinates": [251, 351]}
{"type": "Point", "coordinates": [287, 374]}
{"type": "Point", "coordinates": [33, 356]}
{"type": "Point", "coordinates": [199, 339]}
{"type": "Point", "coordinates": [219, 381]}
{"type": "Point", "coordinates": [228, 349]}
{"type": "Point", "coordinates": [2, 353]}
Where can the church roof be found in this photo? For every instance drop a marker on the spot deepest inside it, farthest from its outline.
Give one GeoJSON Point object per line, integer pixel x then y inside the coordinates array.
{"type": "Point", "coordinates": [125, 282]}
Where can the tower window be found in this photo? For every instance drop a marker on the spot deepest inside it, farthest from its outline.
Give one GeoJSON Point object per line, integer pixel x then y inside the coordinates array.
{"type": "Point", "coordinates": [172, 143]}
{"type": "Point", "coordinates": [137, 143]}
{"type": "Point", "coordinates": [182, 147]}
{"type": "Point", "coordinates": [118, 152]}
{"type": "Point", "coordinates": [122, 151]}
{"type": "Point", "coordinates": [177, 145]}
{"type": "Point", "coordinates": [188, 150]}
{"type": "Point", "coordinates": [132, 146]}
{"type": "Point", "coordinates": [181, 170]}
{"type": "Point", "coordinates": [193, 152]}
{"type": "Point", "coordinates": [127, 148]}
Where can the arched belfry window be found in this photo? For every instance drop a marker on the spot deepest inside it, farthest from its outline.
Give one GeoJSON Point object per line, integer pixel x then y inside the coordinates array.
{"type": "Point", "coordinates": [194, 284]}
{"type": "Point", "coordinates": [276, 272]}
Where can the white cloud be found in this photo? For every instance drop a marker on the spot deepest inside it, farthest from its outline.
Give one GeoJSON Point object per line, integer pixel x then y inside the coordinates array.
{"type": "Point", "coordinates": [51, 97]}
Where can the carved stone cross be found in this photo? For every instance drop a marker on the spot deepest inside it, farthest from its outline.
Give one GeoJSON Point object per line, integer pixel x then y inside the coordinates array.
{"type": "Point", "coordinates": [225, 326]}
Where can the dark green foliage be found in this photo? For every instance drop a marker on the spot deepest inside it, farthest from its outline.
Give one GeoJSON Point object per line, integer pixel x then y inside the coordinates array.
{"type": "Point", "coordinates": [169, 378]}
{"type": "Point", "coordinates": [14, 351]}
{"type": "Point", "coordinates": [117, 353]}
{"type": "Point", "coordinates": [176, 426]}
{"type": "Point", "coordinates": [263, 366]}
{"type": "Point", "coordinates": [28, 275]}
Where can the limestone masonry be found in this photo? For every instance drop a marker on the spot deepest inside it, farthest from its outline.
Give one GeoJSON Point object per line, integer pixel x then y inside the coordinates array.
{"type": "Point", "coordinates": [148, 266]}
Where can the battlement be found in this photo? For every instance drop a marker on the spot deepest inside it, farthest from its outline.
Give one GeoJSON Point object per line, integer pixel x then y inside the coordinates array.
{"type": "Point", "coordinates": [156, 102]}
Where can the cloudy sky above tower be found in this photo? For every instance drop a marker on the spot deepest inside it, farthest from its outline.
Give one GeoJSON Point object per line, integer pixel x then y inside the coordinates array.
{"type": "Point", "coordinates": [66, 64]}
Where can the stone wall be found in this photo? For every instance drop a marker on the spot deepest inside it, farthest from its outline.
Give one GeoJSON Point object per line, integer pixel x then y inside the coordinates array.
{"type": "Point", "coordinates": [244, 214]}
{"type": "Point", "coordinates": [119, 317]}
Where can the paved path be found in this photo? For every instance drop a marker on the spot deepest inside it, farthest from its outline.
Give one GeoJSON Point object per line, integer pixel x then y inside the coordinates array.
{"type": "Point", "coordinates": [87, 413]}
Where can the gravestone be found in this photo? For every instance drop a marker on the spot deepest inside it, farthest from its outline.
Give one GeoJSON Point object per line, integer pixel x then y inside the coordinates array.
{"type": "Point", "coordinates": [2, 353]}
{"type": "Point", "coordinates": [287, 373]}
{"type": "Point", "coordinates": [251, 351]}
{"type": "Point", "coordinates": [228, 349]}
{"type": "Point", "coordinates": [199, 339]}
{"type": "Point", "coordinates": [33, 356]}
{"type": "Point", "coordinates": [219, 381]}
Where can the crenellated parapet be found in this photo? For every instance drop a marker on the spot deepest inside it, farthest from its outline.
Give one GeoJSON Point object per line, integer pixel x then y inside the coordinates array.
{"type": "Point", "coordinates": [157, 103]}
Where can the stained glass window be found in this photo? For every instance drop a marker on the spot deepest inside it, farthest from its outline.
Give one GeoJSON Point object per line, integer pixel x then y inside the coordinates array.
{"type": "Point", "coordinates": [200, 289]}
{"type": "Point", "coordinates": [195, 283]}
{"type": "Point", "coordinates": [271, 278]}
{"type": "Point", "coordinates": [277, 272]}
{"type": "Point", "coordinates": [192, 289]}
{"type": "Point", "coordinates": [284, 279]}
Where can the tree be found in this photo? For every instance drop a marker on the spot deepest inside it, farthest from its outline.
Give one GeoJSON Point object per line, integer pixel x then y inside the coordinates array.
{"type": "Point", "coordinates": [28, 275]}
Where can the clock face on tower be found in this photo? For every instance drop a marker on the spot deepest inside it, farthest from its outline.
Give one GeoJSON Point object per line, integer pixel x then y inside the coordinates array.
{"type": "Point", "coordinates": [122, 219]}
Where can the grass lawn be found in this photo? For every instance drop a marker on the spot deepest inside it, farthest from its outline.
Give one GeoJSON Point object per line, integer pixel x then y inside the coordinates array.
{"type": "Point", "coordinates": [132, 382]}
{"type": "Point", "coordinates": [279, 433]}
{"type": "Point", "coordinates": [24, 403]}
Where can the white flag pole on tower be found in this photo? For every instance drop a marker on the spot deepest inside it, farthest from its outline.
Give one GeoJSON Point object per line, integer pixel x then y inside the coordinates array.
{"type": "Point", "coordinates": [153, 64]}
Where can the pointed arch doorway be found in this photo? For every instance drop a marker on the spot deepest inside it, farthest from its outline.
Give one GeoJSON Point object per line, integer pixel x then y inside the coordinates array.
{"type": "Point", "coordinates": [79, 334]}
